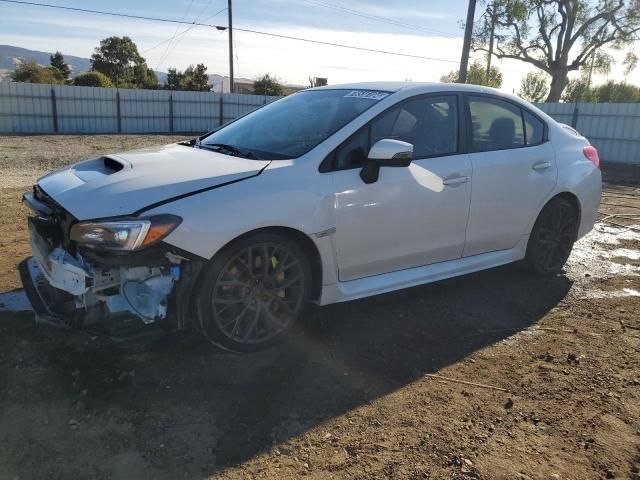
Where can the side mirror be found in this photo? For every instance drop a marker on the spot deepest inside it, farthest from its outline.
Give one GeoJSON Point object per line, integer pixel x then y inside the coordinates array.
{"type": "Point", "coordinates": [386, 153]}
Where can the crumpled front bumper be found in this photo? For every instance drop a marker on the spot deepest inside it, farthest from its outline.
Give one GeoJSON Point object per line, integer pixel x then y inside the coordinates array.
{"type": "Point", "coordinates": [42, 296]}
{"type": "Point", "coordinates": [120, 294]}
{"type": "Point", "coordinates": [57, 308]}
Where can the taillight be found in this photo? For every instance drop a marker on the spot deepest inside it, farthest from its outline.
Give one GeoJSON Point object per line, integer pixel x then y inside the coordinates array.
{"type": "Point", "coordinates": [591, 153]}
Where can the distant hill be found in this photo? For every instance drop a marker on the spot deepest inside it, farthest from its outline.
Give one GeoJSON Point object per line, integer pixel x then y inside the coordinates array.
{"type": "Point", "coordinates": [10, 56]}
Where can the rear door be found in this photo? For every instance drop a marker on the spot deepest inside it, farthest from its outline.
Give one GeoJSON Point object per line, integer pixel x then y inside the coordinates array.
{"type": "Point", "coordinates": [514, 169]}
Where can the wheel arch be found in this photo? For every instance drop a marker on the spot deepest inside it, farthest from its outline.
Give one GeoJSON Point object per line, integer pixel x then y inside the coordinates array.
{"type": "Point", "coordinates": [572, 198]}
{"type": "Point", "coordinates": [568, 196]}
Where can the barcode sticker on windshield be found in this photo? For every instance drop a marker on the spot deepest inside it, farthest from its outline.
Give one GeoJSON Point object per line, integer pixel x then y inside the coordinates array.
{"type": "Point", "coordinates": [367, 94]}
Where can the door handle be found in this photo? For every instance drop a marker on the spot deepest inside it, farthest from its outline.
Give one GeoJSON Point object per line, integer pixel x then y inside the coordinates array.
{"type": "Point", "coordinates": [541, 166]}
{"type": "Point", "coordinates": [454, 181]}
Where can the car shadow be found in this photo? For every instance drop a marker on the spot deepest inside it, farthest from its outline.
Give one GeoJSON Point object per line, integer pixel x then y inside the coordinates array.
{"type": "Point", "coordinates": [218, 410]}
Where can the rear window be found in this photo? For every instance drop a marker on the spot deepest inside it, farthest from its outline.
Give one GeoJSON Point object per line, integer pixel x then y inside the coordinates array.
{"type": "Point", "coordinates": [497, 125]}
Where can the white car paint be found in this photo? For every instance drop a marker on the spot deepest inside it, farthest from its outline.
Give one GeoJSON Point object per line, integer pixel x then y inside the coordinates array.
{"type": "Point", "coordinates": [406, 219]}
{"type": "Point", "coordinates": [89, 190]}
{"type": "Point", "coordinates": [438, 218]}
{"type": "Point", "coordinates": [508, 192]}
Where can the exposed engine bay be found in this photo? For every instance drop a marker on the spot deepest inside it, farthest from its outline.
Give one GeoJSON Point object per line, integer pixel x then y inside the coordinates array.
{"type": "Point", "coordinates": [117, 294]}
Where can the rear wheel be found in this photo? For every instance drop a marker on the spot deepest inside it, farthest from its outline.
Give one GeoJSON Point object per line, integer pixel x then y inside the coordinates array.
{"type": "Point", "coordinates": [253, 292]}
{"type": "Point", "coordinates": [552, 237]}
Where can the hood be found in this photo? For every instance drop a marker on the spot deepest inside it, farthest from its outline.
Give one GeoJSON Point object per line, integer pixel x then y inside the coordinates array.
{"type": "Point", "coordinates": [125, 183]}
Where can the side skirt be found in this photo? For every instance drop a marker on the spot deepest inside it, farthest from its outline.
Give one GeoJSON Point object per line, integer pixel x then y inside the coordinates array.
{"type": "Point", "coordinates": [388, 282]}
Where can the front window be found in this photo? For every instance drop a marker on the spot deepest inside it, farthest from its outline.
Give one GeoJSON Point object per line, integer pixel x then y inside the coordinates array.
{"type": "Point", "coordinates": [430, 124]}
{"type": "Point", "coordinates": [294, 125]}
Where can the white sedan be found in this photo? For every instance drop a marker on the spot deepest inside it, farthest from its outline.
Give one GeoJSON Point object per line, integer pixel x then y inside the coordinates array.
{"type": "Point", "coordinates": [327, 195]}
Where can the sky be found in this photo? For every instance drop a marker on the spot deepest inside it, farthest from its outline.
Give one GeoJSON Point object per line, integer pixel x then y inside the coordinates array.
{"type": "Point", "coordinates": [429, 28]}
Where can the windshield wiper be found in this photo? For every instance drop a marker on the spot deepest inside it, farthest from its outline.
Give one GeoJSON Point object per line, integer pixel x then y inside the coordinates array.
{"type": "Point", "coordinates": [231, 149]}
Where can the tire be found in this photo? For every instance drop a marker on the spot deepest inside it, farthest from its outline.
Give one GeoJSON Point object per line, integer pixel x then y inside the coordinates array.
{"type": "Point", "coordinates": [253, 292]}
{"type": "Point", "coordinates": [552, 237]}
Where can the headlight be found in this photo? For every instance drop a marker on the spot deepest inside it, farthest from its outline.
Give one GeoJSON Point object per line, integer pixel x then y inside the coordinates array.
{"type": "Point", "coordinates": [126, 234]}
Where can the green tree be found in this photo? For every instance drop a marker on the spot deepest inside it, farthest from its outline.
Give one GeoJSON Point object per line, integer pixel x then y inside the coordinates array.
{"type": "Point", "coordinates": [57, 62]}
{"type": "Point", "coordinates": [612, 92]}
{"type": "Point", "coordinates": [31, 72]}
{"type": "Point", "coordinates": [630, 62]}
{"type": "Point", "coordinates": [118, 58]}
{"type": "Point", "coordinates": [576, 91]}
{"type": "Point", "coordinates": [193, 78]}
{"type": "Point", "coordinates": [175, 79]}
{"type": "Point", "coordinates": [92, 79]}
{"type": "Point", "coordinates": [268, 85]}
{"type": "Point", "coordinates": [196, 79]}
{"type": "Point", "coordinates": [144, 77]}
{"type": "Point", "coordinates": [534, 87]}
{"type": "Point", "coordinates": [476, 75]}
{"type": "Point", "coordinates": [560, 36]}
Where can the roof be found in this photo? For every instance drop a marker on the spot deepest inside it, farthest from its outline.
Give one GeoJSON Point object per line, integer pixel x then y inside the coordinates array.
{"type": "Point", "coordinates": [419, 86]}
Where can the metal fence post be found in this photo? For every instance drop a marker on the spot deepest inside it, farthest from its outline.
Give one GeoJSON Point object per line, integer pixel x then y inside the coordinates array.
{"type": "Point", "coordinates": [118, 112]}
{"type": "Point", "coordinates": [54, 110]}
{"type": "Point", "coordinates": [574, 118]}
{"type": "Point", "coordinates": [221, 109]}
{"type": "Point", "coordinates": [171, 113]}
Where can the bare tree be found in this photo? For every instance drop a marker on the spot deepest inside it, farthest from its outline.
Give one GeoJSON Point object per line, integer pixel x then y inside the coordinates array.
{"type": "Point", "coordinates": [559, 36]}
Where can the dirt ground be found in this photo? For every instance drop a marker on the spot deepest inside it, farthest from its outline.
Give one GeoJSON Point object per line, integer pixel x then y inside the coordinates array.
{"type": "Point", "coordinates": [352, 394]}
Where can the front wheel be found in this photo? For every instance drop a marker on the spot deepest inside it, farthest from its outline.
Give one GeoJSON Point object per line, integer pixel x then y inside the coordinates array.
{"type": "Point", "coordinates": [253, 292]}
{"type": "Point", "coordinates": [552, 237]}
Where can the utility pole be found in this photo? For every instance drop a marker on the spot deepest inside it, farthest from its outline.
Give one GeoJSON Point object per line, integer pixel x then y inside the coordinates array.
{"type": "Point", "coordinates": [593, 58]}
{"type": "Point", "coordinates": [491, 35]}
{"type": "Point", "coordinates": [468, 30]}
{"type": "Point", "coordinates": [230, 27]}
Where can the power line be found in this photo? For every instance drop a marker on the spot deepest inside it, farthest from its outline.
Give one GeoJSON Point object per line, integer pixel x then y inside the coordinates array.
{"type": "Point", "coordinates": [101, 12]}
{"type": "Point", "coordinates": [181, 34]}
{"type": "Point", "coordinates": [342, 45]}
{"type": "Point", "coordinates": [378, 18]}
{"type": "Point", "coordinates": [222, 27]}
{"type": "Point", "coordinates": [175, 33]}
{"type": "Point", "coordinates": [167, 40]}
{"type": "Point", "coordinates": [170, 50]}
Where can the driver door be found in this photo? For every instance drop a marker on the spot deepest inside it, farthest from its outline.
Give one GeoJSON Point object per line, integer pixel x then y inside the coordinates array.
{"type": "Point", "coordinates": [411, 216]}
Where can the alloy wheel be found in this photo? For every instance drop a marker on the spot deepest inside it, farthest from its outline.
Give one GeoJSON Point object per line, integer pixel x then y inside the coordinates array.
{"type": "Point", "coordinates": [554, 237]}
{"type": "Point", "coordinates": [258, 293]}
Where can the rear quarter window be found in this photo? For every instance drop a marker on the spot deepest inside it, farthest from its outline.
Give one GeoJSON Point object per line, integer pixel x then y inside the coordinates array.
{"type": "Point", "coordinates": [534, 128]}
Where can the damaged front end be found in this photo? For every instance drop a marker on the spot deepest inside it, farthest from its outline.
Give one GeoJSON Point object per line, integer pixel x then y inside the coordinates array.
{"type": "Point", "coordinates": [113, 277]}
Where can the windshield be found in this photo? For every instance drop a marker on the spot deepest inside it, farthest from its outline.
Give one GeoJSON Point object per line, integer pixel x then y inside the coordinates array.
{"type": "Point", "coordinates": [295, 124]}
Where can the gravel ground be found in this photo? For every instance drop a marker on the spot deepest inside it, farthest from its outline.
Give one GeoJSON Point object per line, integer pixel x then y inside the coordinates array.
{"type": "Point", "coordinates": [367, 389]}
{"type": "Point", "coordinates": [26, 158]}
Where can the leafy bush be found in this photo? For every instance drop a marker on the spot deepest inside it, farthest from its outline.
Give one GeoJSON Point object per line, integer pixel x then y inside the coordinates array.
{"type": "Point", "coordinates": [476, 75]}
{"type": "Point", "coordinates": [92, 79]}
{"type": "Point", "coordinates": [31, 72]}
{"type": "Point", "coordinates": [577, 91]}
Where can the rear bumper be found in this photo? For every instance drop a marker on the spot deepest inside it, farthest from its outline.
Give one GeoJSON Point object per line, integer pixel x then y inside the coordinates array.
{"type": "Point", "coordinates": [589, 194]}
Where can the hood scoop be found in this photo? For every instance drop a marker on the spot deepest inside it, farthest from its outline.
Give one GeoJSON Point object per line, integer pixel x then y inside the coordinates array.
{"type": "Point", "coordinates": [96, 169]}
{"type": "Point", "coordinates": [111, 164]}
{"type": "Point", "coordinates": [127, 183]}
